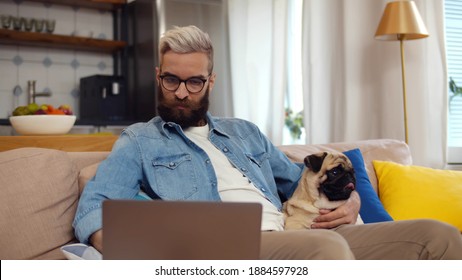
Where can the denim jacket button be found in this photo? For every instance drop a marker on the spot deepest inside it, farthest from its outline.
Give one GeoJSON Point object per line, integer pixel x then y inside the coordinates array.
{"type": "Point", "coordinates": [171, 164]}
{"type": "Point", "coordinates": [225, 150]}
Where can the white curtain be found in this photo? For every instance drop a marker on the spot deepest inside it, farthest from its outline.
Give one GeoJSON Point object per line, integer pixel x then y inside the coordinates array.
{"type": "Point", "coordinates": [352, 82]}
{"type": "Point", "coordinates": [258, 30]}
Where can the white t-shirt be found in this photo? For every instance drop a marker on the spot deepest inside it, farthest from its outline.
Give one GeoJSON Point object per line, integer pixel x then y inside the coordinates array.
{"type": "Point", "coordinates": [233, 186]}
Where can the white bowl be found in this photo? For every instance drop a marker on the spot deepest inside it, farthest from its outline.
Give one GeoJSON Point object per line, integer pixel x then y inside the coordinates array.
{"type": "Point", "coordinates": [42, 124]}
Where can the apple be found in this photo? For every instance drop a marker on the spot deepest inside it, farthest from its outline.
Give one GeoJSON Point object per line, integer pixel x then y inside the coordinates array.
{"type": "Point", "coordinates": [66, 109]}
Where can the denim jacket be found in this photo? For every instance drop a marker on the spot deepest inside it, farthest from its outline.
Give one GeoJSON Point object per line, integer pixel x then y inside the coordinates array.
{"type": "Point", "coordinates": [156, 157]}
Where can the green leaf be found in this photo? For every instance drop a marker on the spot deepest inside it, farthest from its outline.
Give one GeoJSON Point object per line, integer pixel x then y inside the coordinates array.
{"type": "Point", "coordinates": [294, 122]}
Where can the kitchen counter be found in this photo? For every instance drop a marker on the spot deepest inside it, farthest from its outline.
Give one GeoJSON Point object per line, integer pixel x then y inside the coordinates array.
{"type": "Point", "coordinates": [69, 143]}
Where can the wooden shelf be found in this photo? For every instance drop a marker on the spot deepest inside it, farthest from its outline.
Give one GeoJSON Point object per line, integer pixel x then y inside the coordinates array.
{"type": "Point", "coordinates": [13, 37]}
{"type": "Point", "coordinates": [94, 4]}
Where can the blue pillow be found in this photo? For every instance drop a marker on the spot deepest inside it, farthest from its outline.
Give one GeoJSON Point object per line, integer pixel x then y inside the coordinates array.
{"type": "Point", "coordinates": [372, 210]}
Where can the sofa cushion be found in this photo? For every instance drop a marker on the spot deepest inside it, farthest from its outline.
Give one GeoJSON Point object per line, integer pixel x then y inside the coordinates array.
{"type": "Point", "coordinates": [411, 192]}
{"type": "Point", "coordinates": [84, 159]}
{"type": "Point", "coordinates": [87, 163]}
{"type": "Point", "coordinates": [372, 210]}
{"type": "Point", "coordinates": [38, 200]}
{"type": "Point", "coordinates": [86, 174]}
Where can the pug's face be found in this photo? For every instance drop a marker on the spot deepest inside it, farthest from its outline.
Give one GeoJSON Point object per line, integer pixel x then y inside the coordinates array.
{"type": "Point", "coordinates": [335, 174]}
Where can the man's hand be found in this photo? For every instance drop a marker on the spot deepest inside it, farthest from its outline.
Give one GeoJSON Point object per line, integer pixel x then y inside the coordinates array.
{"type": "Point", "coordinates": [96, 240]}
{"type": "Point", "coordinates": [345, 214]}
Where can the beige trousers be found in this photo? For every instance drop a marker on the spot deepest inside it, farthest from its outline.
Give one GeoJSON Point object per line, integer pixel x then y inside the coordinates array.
{"type": "Point", "coordinates": [412, 240]}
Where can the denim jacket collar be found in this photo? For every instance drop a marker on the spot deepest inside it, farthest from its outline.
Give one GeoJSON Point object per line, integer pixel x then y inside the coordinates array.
{"type": "Point", "coordinates": [166, 127]}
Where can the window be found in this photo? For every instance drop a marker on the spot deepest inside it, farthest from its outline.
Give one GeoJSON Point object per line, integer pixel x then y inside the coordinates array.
{"type": "Point", "coordinates": [453, 16]}
{"type": "Point", "coordinates": [294, 94]}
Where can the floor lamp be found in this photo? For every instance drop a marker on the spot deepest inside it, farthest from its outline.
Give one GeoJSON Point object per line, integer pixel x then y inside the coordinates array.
{"type": "Point", "coordinates": [401, 21]}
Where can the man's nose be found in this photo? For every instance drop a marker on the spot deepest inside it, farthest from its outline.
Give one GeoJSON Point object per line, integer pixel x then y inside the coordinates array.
{"type": "Point", "coordinates": [181, 92]}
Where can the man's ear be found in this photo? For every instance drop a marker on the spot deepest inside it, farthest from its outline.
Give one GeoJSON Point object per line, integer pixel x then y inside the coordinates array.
{"type": "Point", "coordinates": [158, 75]}
{"type": "Point", "coordinates": [212, 81]}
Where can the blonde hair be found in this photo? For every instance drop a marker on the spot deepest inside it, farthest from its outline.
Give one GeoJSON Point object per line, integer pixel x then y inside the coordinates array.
{"type": "Point", "coordinates": [187, 39]}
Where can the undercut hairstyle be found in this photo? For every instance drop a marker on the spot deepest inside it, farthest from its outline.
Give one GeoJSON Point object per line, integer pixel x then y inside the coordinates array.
{"type": "Point", "coordinates": [187, 39]}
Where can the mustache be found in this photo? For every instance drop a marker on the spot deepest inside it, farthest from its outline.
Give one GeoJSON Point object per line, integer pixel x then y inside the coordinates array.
{"type": "Point", "coordinates": [178, 102]}
{"type": "Point", "coordinates": [195, 113]}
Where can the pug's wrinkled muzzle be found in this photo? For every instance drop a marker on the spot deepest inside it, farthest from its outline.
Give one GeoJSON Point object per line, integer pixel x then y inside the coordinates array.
{"type": "Point", "coordinates": [340, 188]}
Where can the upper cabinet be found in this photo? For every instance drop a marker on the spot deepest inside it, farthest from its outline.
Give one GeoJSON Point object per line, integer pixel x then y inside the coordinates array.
{"type": "Point", "coordinates": [24, 38]}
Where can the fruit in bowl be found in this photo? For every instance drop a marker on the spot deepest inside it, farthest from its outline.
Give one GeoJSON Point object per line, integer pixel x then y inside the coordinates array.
{"type": "Point", "coordinates": [44, 109]}
{"type": "Point", "coordinates": [45, 119]}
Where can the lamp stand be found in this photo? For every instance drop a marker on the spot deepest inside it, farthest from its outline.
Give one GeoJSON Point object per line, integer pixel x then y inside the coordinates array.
{"type": "Point", "coordinates": [403, 72]}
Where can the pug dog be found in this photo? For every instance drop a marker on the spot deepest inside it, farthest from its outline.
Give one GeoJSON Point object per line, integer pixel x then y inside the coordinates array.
{"type": "Point", "coordinates": [327, 182]}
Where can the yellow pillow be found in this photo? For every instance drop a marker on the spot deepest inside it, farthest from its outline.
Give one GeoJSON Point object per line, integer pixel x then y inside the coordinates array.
{"type": "Point", "coordinates": [411, 192]}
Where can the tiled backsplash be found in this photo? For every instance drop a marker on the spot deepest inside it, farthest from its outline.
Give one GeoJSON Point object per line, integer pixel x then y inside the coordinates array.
{"type": "Point", "coordinates": [55, 70]}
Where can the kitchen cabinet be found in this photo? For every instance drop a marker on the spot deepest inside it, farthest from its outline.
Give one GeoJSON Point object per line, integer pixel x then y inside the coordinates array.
{"type": "Point", "coordinates": [133, 49]}
{"type": "Point", "coordinates": [23, 38]}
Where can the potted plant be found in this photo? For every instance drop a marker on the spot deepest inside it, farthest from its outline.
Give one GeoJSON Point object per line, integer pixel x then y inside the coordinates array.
{"type": "Point", "coordinates": [294, 123]}
{"type": "Point", "coordinates": [456, 91]}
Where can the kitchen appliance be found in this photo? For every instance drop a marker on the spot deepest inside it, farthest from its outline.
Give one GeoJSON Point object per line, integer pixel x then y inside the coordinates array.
{"type": "Point", "coordinates": [103, 98]}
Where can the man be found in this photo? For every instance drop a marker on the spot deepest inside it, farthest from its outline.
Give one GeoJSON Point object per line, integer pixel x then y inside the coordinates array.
{"type": "Point", "coordinates": [186, 154]}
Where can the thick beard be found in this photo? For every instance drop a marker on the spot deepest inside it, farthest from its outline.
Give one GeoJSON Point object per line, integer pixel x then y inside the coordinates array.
{"type": "Point", "coordinates": [196, 117]}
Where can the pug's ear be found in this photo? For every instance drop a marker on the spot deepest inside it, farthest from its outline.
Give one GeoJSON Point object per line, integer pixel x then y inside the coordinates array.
{"type": "Point", "coordinates": [314, 162]}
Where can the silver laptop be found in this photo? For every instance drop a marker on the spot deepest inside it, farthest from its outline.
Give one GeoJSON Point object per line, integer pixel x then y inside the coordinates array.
{"type": "Point", "coordinates": [181, 230]}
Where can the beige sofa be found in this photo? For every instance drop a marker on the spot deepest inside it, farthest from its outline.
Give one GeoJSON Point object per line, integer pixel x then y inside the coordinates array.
{"type": "Point", "coordinates": [40, 190]}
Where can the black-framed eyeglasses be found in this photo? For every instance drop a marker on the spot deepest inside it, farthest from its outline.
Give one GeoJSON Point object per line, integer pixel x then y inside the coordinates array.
{"type": "Point", "coordinates": [193, 84]}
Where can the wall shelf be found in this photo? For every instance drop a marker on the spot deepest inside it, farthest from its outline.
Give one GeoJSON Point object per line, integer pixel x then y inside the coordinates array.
{"type": "Point", "coordinates": [36, 39]}
{"type": "Point", "coordinates": [93, 4]}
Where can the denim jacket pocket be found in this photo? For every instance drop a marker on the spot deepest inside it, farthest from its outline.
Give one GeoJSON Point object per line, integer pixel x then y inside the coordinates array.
{"type": "Point", "coordinates": [174, 177]}
{"type": "Point", "coordinates": [258, 159]}
{"type": "Point", "coordinates": [262, 167]}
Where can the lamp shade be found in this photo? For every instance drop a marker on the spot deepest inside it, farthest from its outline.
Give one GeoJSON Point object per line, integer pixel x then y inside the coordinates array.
{"type": "Point", "coordinates": [401, 21]}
